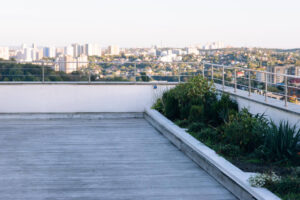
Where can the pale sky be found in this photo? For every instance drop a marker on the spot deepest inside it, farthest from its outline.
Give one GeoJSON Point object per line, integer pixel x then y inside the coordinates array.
{"type": "Point", "coordinates": [142, 23]}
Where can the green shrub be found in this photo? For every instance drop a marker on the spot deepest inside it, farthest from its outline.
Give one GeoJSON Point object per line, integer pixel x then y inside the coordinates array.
{"type": "Point", "coordinates": [196, 127]}
{"type": "Point", "coordinates": [171, 107]}
{"type": "Point", "coordinates": [196, 113]}
{"type": "Point", "coordinates": [290, 196]}
{"type": "Point", "coordinates": [230, 150]}
{"type": "Point", "coordinates": [284, 185]}
{"type": "Point", "coordinates": [208, 135]}
{"type": "Point", "coordinates": [281, 143]}
{"type": "Point", "coordinates": [184, 110]}
{"type": "Point", "coordinates": [245, 130]}
{"type": "Point", "coordinates": [287, 187]}
{"type": "Point", "coordinates": [222, 109]}
{"type": "Point", "coordinates": [158, 105]}
{"type": "Point", "coordinates": [182, 123]}
{"type": "Point", "coordinates": [179, 100]}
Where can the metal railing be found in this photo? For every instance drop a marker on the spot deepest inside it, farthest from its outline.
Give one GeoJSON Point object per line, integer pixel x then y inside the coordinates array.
{"type": "Point", "coordinates": [271, 85]}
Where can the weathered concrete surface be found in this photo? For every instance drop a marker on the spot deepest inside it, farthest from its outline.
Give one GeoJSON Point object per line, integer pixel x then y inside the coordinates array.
{"type": "Point", "coordinates": [96, 159]}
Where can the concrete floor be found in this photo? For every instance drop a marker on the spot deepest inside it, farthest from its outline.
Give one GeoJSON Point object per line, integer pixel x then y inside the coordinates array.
{"type": "Point", "coordinates": [105, 159]}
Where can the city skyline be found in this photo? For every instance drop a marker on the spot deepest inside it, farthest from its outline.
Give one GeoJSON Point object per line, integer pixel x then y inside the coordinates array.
{"type": "Point", "coordinates": [132, 23]}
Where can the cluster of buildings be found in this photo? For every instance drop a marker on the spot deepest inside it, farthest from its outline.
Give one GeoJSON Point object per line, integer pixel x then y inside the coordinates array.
{"type": "Point", "coordinates": [275, 76]}
{"type": "Point", "coordinates": [78, 51]}
{"type": "Point", "coordinates": [69, 58]}
{"type": "Point", "coordinates": [213, 45]}
{"type": "Point", "coordinates": [4, 53]}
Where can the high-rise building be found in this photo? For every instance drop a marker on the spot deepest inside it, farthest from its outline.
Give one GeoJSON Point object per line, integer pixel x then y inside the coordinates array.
{"type": "Point", "coordinates": [28, 54]}
{"type": "Point", "coordinates": [23, 46]}
{"type": "Point", "coordinates": [152, 52]}
{"type": "Point", "coordinates": [49, 52]}
{"type": "Point", "coordinates": [277, 71]}
{"type": "Point", "coordinates": [177, 52]}
{"type": "Point", "coordinates": [192, 50]}
{"type": "Point", "coordinates": [69, 64]}
{"type": "Point", "coordinates": [34, 46]}
{"type": "Point", "coordinates": [260, 77]}
{"type": "Point", "coordinates": [66, 64]}
{"type": "Point", "coordinates": [82, 61]}
{"type": "Point", "coordinates": [294, 70]}
{"type": "Point", "coordinates": [69, 51]}
{"type": "Point", "coordinates": [113, 50]}
{"type": "Point", "coordinates": [92, 50]}
{"type": "Point", "coordinates": [77, 50]}
{"type": "Point", "coordinates": [39, 54]}
{"type": "Point", "coordinates": [4, 53]}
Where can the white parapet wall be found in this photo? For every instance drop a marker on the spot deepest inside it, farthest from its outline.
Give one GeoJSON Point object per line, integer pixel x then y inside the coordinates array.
{"type": "Point", "coordinates": [272, 108]}
{"type": "Point", "coordinates": [119, 97]}
{"type": "Point", "coordinates": [78, 97]}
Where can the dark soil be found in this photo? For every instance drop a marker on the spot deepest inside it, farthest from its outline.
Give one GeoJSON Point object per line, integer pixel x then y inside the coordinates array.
{"type": "Point", "coordinates": [261, 168]}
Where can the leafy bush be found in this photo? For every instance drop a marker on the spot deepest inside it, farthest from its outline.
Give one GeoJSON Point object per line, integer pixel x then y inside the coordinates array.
{"type": "Point", "coordinates": [284, 185]}
{"type": "Point", "coordinates": [171, 107]}
{"type": "Point", "coordinates": [208, 134]}
{"type": "Point", "coordinates": [179, 100]}
{"type": "Point", "coordinates": [223, 109]}
{"type": "Point", "coordinates": [158, 106]}
{"type": "Point", "coordinates": [196, 127]}
{"type": "Point", "coordinates": [281, 143]}
{"type": "Point", "coordinates": [245, 130]}
{"type": "Point", "coordinates": [182, 123]}
{"type": "Point", "coordinates": [230, 150]}
{"type": "Point", "coordinates": [196, 113]}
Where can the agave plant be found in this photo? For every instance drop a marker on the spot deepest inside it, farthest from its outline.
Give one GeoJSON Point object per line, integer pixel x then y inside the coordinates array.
{"type": "Point", "coordinates": [282, 142]}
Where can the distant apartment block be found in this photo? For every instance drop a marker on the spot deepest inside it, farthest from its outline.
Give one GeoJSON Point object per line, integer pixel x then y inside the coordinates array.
{"type": "Point", "coordinates": [4, 53]}
{"type": "Point", "coordinates": [49, 52]}
{"type": "Point", "coordinates": [192, 51]}
{"type": "Point", "coordinates": [274, 78]}
{"type": "Point", "coordinates": [92, 50]}
{"type": "Point", "coordinates": [260, 77]}
{"type": "Point", "coordinates": [77, 50]}
{"type": "Point", "coordinates": [69, 64]}
{"type": "Point", "coordinates": [113, 50]}
{"type": "Point", "coordinates": [294, 70]}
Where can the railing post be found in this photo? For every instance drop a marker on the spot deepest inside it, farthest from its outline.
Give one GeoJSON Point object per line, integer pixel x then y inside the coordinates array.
{"type": "Point", "coordinates": [223, 78]}
{"type": "Point", "coordinates": [249, 83]}
{"type": "Point", "coordinates": [235, 80]}
{"type": "Point", "coordinates": [285, 91]}
{"type": "Point", "coordinates": [179, 72]}
{"type": "Point", "coordinates": [89, 74]}
{"type": "Point", "coordinates": [203, 68]}
{"type": "Point", "coordinates": [43, 73]}
{"type": "Point", "coordinates": [135, 72]}
{"type": "Point", "coordinates": [212, 72]}
{"type": "Point", "coordinates": [266, 87]}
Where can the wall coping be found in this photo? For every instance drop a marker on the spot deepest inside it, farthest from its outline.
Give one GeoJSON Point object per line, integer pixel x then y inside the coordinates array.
{"type": "Point", "coordinates": [89, 83]}
{"type": "Point", "coordinates": [81, 115]}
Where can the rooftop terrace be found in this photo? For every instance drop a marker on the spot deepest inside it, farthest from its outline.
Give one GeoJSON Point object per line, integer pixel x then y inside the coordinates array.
{"type": "Point", "coordinates": [90, 139]}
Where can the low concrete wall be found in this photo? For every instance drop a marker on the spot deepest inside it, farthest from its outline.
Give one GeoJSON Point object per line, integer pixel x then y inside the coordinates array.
{"type": "Point", "coordinates": [273, 109]}
{"type": "Point", "coordinates": [118, 97]}
{"type": "Point", "coordinates": [78, 97]}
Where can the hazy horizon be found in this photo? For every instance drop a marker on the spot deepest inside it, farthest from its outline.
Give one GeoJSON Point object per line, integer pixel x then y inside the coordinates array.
{"type": "Point", "coordinates": [133, 23]}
